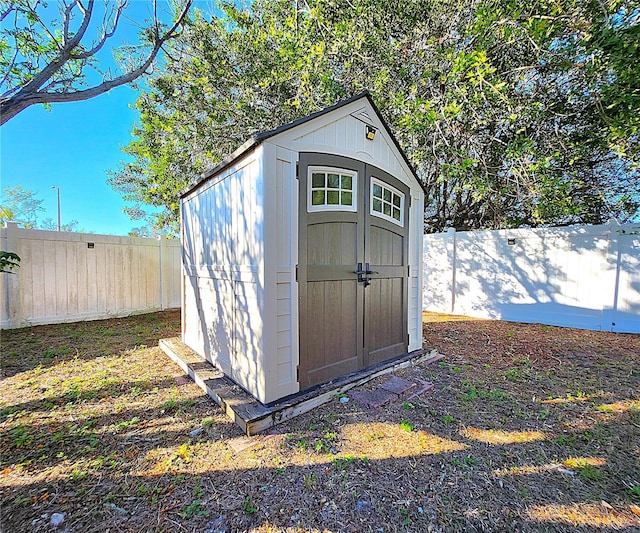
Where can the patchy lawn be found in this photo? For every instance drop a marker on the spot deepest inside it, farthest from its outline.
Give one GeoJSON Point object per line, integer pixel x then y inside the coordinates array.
{"type": "Point", "coordinates": [527, 428]}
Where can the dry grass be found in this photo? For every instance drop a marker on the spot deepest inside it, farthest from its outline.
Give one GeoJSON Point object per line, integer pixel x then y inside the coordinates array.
{"type": "Point", "coordinates": [528, 428]}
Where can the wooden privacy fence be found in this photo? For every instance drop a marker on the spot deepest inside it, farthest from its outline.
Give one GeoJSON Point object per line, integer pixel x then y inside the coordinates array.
{"type": "Point", "coordinates": [67, 277]}
{"type": "Point", "coordinates": [585, 277]}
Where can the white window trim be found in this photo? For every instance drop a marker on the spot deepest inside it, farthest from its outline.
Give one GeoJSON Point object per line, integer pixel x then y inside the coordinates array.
{"type": "Point", "coordinates": [332, 207]}
{"type": "Point", "coordinates": [402, 196]}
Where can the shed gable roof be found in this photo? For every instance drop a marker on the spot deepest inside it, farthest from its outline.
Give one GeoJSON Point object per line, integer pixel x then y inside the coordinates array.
{"type": "Point", "coordinates": [258, 138]}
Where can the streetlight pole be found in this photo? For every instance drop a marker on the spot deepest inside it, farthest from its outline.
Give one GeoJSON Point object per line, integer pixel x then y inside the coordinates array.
{"type": "Point", "coordinates": [55, 187]}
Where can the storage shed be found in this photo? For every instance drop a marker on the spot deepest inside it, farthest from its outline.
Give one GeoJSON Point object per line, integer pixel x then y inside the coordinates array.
{"type": "Point", "coordinates": [302, 253]}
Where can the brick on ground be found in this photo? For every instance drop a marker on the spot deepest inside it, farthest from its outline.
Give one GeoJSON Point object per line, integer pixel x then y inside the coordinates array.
{"type": "Point", "coordinates": [397, 385]}
{"type": "Point", "coordinates": [373, 398]}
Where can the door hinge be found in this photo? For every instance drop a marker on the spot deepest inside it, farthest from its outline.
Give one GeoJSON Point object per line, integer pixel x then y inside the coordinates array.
{"type": "Point", "coordinates": [298, 373]}
{"type": "Point", "coordinates": [409, 202]}
{"type": "Point", "coordinates": [297, 170]}
{"type": "Point", "coordinates": [296, 272]}
{"type": "Point", "coordinates": [408, 271]}
{"type": "Point", "coordinates": [407, 339]}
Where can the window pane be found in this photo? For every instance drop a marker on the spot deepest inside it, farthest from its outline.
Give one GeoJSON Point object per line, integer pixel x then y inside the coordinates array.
{"type": "Point", "coordinates": [387, 195]}
{"type": "Point", "coordinates": [346, 183]}
{"type": "Point", "coordinates": [377, 191]}
{"type": "Point", "coordinates": [346, 198]}
{"type": "Point", "coordinates": [333, 197]}
{"type": "Point", "coordinates": [317, 180]}
{"type": "Point", "coordinates": [396, 213]}
{"type": "Point", "coordinates": [317, 198]}
{"type": "Point", "coordinates": [396, 200]}
{"type": "Point", "coordinates": [377, 205]}
{"type": "Point", "coordinates": [333, 181]}
{"type": "Point", "coordinates": [387, 209]}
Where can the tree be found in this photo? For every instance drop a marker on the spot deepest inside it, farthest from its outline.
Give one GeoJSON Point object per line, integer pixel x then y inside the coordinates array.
{"type": "Point", "coordinates": [21, 206]}
{"type": "Point", "coordinates": [44, 61]}
{"type": "Point", "coordinates": [147, 231]}
{"type": "Point", "coordinates": [511, 115]}
{"type": "Point", "coordinates": [52, 225]}
{"type": "Point", "coordinates": [210, 112]}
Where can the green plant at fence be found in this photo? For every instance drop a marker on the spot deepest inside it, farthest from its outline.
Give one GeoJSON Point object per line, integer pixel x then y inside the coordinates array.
{"type": "Point", "coordinates": [9, 261]}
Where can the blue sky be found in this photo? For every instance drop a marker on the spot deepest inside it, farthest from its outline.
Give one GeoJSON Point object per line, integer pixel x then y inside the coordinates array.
{"type": "Point", "coordinates": [74, 145]}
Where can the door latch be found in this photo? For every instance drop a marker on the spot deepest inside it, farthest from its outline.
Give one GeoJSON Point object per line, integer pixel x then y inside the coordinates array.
{"type": "Point", "coordinates": [369, 271]}
{"type": "Point", "coordinates": [364, 275]}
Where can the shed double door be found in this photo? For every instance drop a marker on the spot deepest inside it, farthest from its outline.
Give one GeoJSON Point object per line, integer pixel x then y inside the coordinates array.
{"type": "Point", "coordinates": [352, 269]}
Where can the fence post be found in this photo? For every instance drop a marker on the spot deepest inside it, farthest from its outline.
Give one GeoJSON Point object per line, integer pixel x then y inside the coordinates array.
{"type": "Point", "coordinates": [13, 300]}
{"type": "Point", "coordinates": [164, 274]}
{"type": "Point", "coordinates": [610, 308]}
{"type": "Point", "coordinates": [451, 235]}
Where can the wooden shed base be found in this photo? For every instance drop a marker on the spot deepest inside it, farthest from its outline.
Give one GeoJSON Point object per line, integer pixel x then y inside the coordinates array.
{"type": "Point", "coordinates": [252, 416]}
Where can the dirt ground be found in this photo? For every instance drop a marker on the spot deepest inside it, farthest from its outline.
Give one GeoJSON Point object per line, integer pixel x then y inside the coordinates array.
{"type": "Point", "coordinates": [526, 428]}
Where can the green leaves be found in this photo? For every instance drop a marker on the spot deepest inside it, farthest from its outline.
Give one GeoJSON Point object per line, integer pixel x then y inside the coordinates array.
{"type": "Point", "coordinates": [511, 115]}
{"type": "Point", "coordinates": [20, 205]}
{"type": "Point", "coordinates": [9, 261]}
{"type": "Point", "coordinates": [47, 55]}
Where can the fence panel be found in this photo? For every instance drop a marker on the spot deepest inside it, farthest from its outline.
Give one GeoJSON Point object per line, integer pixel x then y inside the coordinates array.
{"type": "Point", "coordinates": [67, 277]}
{"type": "Point", "coordinates": [586, 277]}
{"type": "Point", "coordinates": [439, 272]}
{"type": "Point", "coordinates": [626, 309]}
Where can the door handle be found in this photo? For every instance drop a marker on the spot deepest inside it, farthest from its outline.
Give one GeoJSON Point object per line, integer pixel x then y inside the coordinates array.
{"type": "Point", "coordinates": [362, 275]}
{"type": "Point", "coordinates": [369, 271]}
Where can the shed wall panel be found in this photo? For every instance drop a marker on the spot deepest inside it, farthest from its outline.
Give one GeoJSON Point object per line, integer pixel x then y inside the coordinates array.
{"type": "Point", "coordinates": [212, 301]}
{"type": "Point", "coordinates": [345, 135]}
{"type": "Point", "coordinates": [414, 317]}
{"type": "Point", "coordinates": [223, 256]}
{"type": "Point", "coordinates": [279, 165]}
{"type": "Point", "coordinates": [247, 353]}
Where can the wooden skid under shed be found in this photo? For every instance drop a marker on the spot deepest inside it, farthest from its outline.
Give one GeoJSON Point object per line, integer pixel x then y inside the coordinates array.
{"type": "Point", "coordinates": [253, 417]}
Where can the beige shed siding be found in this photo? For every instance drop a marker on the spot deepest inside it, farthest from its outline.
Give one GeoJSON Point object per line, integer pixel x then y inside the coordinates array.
{"type": "Point", "coordinates": [281, 341]}
{"type": "Point", "coordinates": [345, 136]}
{"type": "Point", "coordinates": [211, 332]}
{"type": "Point", "coordinates": [286, 229]}
{"type": "Point", "coordinates": [285, 374]}
{"type": "Point", "coordinates": [415, 269]}
{"type": "Point", "coordinates": [223, 247]}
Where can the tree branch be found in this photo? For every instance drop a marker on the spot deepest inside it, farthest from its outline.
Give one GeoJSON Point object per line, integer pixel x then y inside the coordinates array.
{"type": "Point", "coordinates": [54, 66]}
{"type": "Point", "coordinates": [105, 35]}
{"type": "Point", "coordinates": [31, 93]}
{"type": "Point", "coordinates": [67, 20]}
{"type": "Point", "coordinates": [10, 68]}
{"type": "Point", "coordinates": [7, 11]}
